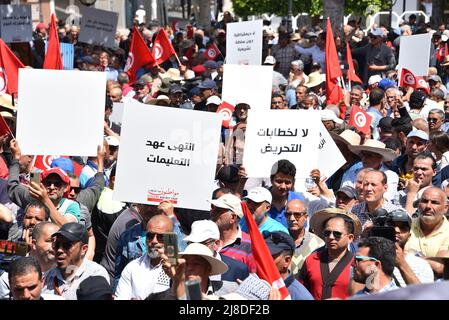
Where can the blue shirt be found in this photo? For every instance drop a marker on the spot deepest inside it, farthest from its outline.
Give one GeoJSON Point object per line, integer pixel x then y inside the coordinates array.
{"type": "Point", "coordinates": [270, 225]}
{"type": "Point", "coordinates": [280, 215]}
{"type": "Point", "coordinates": [296, 289]}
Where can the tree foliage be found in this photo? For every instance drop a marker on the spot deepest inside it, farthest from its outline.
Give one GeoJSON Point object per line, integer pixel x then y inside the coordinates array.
{"type": "Point", "coordinates": [244, 8]}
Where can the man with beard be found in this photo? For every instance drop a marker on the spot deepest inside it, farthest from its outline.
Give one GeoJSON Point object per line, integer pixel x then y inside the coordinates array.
{"type": "Point", "coordinates": [144, 276]}
{"type": "Point", "coordinates": [409, 269]}
{"type": "Point", "coordinates": [430, 232]}
{"type": "Point", "coordinates": [374, 264]}
{"type": "Point", "coordinates": [70, 247]}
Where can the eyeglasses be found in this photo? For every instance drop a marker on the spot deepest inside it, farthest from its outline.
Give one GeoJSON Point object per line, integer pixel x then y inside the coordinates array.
{"type": "Point", "coordinates": [75, 189]}
{"type": "Point", "coordinates": [337, 234]}
{"type": "Point", "coordinates": [432, 119]}
{"type": "Point", "coordinates": [66, 245]}
{"type": "Point", "coordinates": [56, 183]}
{"type": "Point", "coordinates": [365, 258]}
{"type": "Point", "coordinates": [159, 236]}
{"type": "Point", "coordinates": [297, 215]}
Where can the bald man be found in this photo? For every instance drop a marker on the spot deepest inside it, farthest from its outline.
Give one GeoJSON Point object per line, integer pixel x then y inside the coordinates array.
{"type": "Point", "coordinates": [144, 276]}
{"type": "Point", "coordinates": [305, 242]}
{"type": "Point", "coordinates": [430, 231]}
{"type": "Point", "coordinates": [421, 124]}
{"type": "Point", "coordinates": [116, 94]}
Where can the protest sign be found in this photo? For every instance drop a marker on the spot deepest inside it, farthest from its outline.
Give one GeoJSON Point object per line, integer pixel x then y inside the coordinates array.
{"type": "Point", "coordinates": [414, 53]}
{"type": "Point", "coordinates": [330, 158]}
{"type": "Point", "coordinates": [98, 27]}
{"type": "Point", "coordinates": [66, 121]}
{"type": "Point", "coordinates": [16, 23]}
{"type": "Point", "coordinates": [248, 84]}
{"type": "Point", "coordinates": [174, 162]}
{"type": "Point", "coordinates": [117, 113]}
{"type": "Point", "coordinates": [281, 134]}
{"type": "Point", "coordinates": [244, 42]}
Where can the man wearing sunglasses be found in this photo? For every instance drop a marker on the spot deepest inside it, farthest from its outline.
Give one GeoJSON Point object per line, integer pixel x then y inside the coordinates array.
{"type": "Point", "coordinates": [70, 247]}
{"type": "Point", "coordinates": [374, 264]}
{"type": "Point", "coordinates": [326, 272]}
{"type": "Point", "coordinates": [144, 276]}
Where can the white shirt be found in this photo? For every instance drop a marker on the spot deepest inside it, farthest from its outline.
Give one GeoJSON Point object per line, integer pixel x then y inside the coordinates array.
{"type": "Point", "coordinates": [420, 267]}
{"type": "Point", "coordinates": [140, 279]}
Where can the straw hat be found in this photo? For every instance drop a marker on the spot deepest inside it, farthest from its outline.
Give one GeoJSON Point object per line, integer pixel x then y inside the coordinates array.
{"type": "Point", "coordinates": [318, 219]}
{"type": "Point", "coordinates": [8, 115]}
{"type": "Point", "coordinates": [171, 73]}
{"type": "Point", "coordinates": [198, 249]}
{"type": "Point", "coordinates": [374, 146]}
{"type": "Point", "coordinates": [6, 101]}
{"type": "Point", "coordinates": [315, 79]}
{"type": "Point", "coordinates": [348, 137]}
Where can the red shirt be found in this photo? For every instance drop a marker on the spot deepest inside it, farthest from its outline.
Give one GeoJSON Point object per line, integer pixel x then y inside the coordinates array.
{"type": "Point", "coordinates": [310, 277]}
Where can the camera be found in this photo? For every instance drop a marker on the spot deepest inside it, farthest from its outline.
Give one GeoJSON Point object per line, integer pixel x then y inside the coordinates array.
{"type": "Point", "coordinates": [380, 218]}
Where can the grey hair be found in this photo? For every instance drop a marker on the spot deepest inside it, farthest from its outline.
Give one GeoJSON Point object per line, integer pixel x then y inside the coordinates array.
{"type": "Point", "coordinates": [437, 92]}
{"type": "Point", "coordinates": [439, 112]}
{"type": "Point", "coordinates": [395, 89]}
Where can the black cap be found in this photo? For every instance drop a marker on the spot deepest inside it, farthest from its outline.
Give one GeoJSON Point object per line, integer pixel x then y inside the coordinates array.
{"type": "Point", "coordinates": [349, 191]}
{"type": "Point", "coordinates": [400, 216]}
{"type": "Point", "coordinates": [385, 124]}
{"type": "Point", "coordinates": [228, 174]}
{"type": "Point", "coordinates": [94, 288]}
{"type": "Point", "coordinates": [279, 241]}
{"type": "Point", "coordinates": [175, 88]}
{"type": "Point", "coordinates": [140, 83]}
{"type": "Point", "coordinates": [73, 231]}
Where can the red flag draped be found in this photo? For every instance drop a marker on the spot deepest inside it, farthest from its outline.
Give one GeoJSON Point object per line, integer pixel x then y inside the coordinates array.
{"type": "Point", "coordinates": [226, 110]}
{"type": "Point", "coordinates": [212, 52]}
{"type": "Point", "coordinates": [334, 91]}
{"type": "Point", "coordinates": [162, 47]}
{"type": "Point", "coordinates": [360, 119]}
{"type": "Point", "coordinates": [266, 269]}
{"type": "Point", "coordinates": [4, 128]}
{"type": "Point", "coordinates": [352, 76]}
{"type": "Point", "coordinates": [9, 70]}
{"type": "Point", "coordinates": [139, 56]}
{"type": "Point", "coordinates": [53, 56]}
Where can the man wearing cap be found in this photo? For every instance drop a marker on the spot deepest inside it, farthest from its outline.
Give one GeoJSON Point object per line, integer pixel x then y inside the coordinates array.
{"type": "Point", "coordinates": [372, 154]}
{"type": "Point", "coordinates": [54, 181]}
{"type": "Point", "coordinates": [415, 144]}
{"type": "Point", "coordinates": [142, 90]}
{"type": "Point", "coordinates": [345, 198]}
{"type": "Point", "coordinates": [436, 82]}
{"type": "Point", "coordinates": [378, 57]}
{"type": "Point", "coordinates": [208, 88]}
{"type": "Point", "coordinates": [226, 213]}
{"type": "Point", "coordinates": [206, 232]}
{"type": "Point", "coordinates": [176, 94]}
{"type": "Point", "coordinates": [259, 203]}
{"type": "Point", "coordinates": [279, 81]}
{"type": "Point", "coordinates": [330, 119]}
{"type": "Point", "coordinates": [281, 248]}
{"type": "Point", "coordinates": [305, 241]}
{"type": "Point", "coordinates": [326, 272]}
{"type": "Point", "coordinates": [144, 275]}
{"type": "Point", "coordinates": [212, 103]}
{"type": "Point", "coordinates": [70, 246]}
{"type": "Point", "coordinates": [430, 231]}
{"type": "Point", "coordinates": [409, 269]}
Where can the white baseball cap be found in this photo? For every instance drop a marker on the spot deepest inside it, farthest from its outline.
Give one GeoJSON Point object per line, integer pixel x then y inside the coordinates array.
{"type": "Point", "coordinates": [259, 194]}
{"type": "Point", "coordinates": [418, 133]}
{"type": "Point", "coordinates": [112, 141]}
{"type": "Point", "coordinates": [374, 79]}
{"type": "Point", "coordinates": [270, 60]}
{"type": "Point", "coordinates": [213, 99]}
{"type": "Point", "coordinates": [203, 230]}
{"type": "Point", "coordinates": [328, 114]}
{"type": "Point", "coordinates": [231, 202]}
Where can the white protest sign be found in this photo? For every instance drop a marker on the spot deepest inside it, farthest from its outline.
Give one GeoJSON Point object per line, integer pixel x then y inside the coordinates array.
{"type": "Point", "coordinates": [330, 158]}
{"type": "Point", "coordinates": [61, 112]}
{"type": "Point", "coordinates": [16, 23]}
{"type": "Point", "coordinates": [281, 134]}
{"type": "Point", "coordinates": [244, 42]}
{"type": "Point", "coordinates": [167, 154]}
{"type": "Point", "coordinates": [414, 53]}
{"type": "Point", "coordinates": [98, 27]}
{"type": "Point", "coordinates": [248, 84]}
{"type": "Point", "coordinates": [117, 113]}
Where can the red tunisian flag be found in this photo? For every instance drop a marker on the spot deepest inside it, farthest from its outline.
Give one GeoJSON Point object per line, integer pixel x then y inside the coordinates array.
{"type": "Point", "coordinates": [407, 79]}
{"type": "Point", "coordinates": [53, 56]}
{"type": "Point", "coordinates": [360, 119]}
{"type": "Point", "coordinates": [352, 76]}
{"type": "Point", "coordinates": [211, 52]}
{"type": "Point", "coordinates": [226, 110]}
{"type": "Point", "coordinates": [139, 56]}
{"type": "Point", "coordinates": [334, 91]}
{"type": "Point", "coordinates": [9, 70]}
{"type": "Point", "coordinates": [266, 269]}
{"type": "Point", "coordinates": [162, 48]}
{"type": "Point", "coordinates": [4, 128]}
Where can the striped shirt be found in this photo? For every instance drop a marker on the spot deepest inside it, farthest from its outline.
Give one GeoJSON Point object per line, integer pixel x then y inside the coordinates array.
{"type": "Point", "coordinates": [240, 250]}
{"type": "Point", "coordinates": [361, 211]}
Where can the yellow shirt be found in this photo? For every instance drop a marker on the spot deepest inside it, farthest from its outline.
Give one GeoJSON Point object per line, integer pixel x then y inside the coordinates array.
{"type": "Point", "coordinates": [431, 244]}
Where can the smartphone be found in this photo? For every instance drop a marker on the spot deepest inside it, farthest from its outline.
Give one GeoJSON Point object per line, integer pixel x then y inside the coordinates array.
{"type": "Point", "coordinates": [35, 177]}
{"type": "Point", "coordinates": [384, 232]}
{"type": "Point", "coordinates": [171, 247]}
{"type": "Point", "coordinates": [193, 290]}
